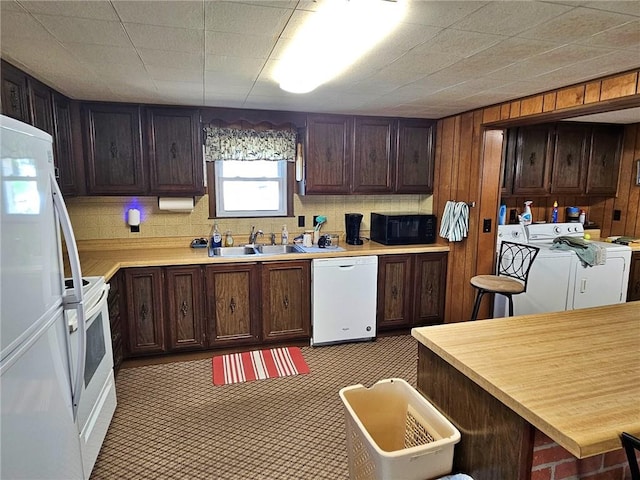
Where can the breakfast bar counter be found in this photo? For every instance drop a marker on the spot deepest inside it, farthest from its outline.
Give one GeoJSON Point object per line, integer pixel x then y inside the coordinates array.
{"type": "Point", "coordinates": [574, 375]}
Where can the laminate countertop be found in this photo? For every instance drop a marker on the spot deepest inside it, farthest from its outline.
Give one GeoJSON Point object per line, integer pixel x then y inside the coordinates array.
{"type": "Point", "coordinates": [574, 375]}
{"type": "Point", "coordinates": [106, 257]}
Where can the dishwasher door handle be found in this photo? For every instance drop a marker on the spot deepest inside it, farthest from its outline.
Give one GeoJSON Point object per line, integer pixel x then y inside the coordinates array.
{"type": "Point", "coordinates": [347, 267]}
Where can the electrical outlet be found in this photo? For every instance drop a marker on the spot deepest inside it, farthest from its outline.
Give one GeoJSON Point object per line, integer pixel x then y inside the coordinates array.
{"type": "Point", "coordinates": [315, 220]}
{"type": "Point", "coordinates": [301, 221]}
{"type": "Point", "coordinates": [486, 225]}
{"type": "Point", "coordinates": [617, 214]}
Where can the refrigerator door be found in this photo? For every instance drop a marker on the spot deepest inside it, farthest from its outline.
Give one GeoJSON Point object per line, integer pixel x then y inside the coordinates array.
{"type": "Point", "coordinates": [31, 273]}
{"type": "Point", "coordinates": [39, 439]}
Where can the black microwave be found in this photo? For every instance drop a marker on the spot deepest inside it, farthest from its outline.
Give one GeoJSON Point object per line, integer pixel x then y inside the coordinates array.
{"type": "Point", "coordinates": [403, 228]}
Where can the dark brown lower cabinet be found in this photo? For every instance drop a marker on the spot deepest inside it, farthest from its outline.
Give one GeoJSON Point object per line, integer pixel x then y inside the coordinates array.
{"type": "Point", "coordinates": [633, 293]}
{"type": "Point", "coordinates": [184, 316]}
{"type": "Point", "coordinates": [411, 290]}
{"type": "Point", "coordinates": [286, 300]}
{"type": "Point", "coordinates": [115, 320]}
{"type": "Point", "coordinates": [233, 304]}
{"type": "Point", "coordinates": [145, 311]}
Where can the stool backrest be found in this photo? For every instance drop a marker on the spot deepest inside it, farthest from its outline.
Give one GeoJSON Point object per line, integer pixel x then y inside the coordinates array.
{"type": "Point", "coordinates": [515, 260]}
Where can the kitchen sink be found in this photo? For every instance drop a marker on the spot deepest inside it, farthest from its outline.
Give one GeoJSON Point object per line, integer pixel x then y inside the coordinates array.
{"type": "Point", "coordinates": [253, 250]}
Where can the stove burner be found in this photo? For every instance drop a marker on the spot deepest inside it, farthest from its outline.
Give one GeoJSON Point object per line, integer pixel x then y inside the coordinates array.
{"type": "Point", "coordinates": [68, 284]}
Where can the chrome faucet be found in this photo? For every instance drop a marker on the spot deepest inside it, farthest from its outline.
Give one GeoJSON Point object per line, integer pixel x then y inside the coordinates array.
{"type": "Point", "coordinates": [253, 235]}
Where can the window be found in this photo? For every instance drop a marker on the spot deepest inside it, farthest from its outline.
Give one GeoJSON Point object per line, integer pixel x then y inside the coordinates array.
{"type": "Point", "coordinates": [250, 189]}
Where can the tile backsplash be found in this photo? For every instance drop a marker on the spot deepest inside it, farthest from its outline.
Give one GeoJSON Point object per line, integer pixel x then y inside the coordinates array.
{"type": "Point", "coordinates": [96, 218]}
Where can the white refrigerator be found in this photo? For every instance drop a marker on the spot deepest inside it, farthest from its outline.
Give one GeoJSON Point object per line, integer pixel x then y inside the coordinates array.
{"type": "Point", "coordinates": [38, 435]}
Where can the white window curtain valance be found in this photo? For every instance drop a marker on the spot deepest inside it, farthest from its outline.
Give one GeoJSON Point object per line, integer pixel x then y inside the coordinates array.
{"type": "Point", "coordinates": [248, 145]}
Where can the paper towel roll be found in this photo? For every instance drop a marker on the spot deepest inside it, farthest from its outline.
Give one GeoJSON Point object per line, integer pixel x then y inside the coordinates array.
{"type": "Point", "coordinates": [176, 204]}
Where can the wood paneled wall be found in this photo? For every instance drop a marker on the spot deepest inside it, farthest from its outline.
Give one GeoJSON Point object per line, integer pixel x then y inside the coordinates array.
{"type": "Point", "coordinates": [468, 158]}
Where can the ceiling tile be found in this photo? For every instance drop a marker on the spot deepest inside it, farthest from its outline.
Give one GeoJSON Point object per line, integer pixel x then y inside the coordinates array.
{"type": "Point", "coordinates": [440, 14]}
{"type": "Point", "coordinates": [628, 7]}
{"type": "Point", "coordinates": [191, 62]}
{"type": "Point", "coordinates": [165, 38]}
{"type": "Point", "coordinates": [249, 67]}
{"type": "Point", "coordinates": [458, 43]}
{"type": "Point", "coordinates": [625, 37]}
{"type": "Point", "coordinates": [84, 30]}
{"type": "Point", "coordinates": [576, 24]}
{"type": "Point", "coordinates": [104, 54]}
{"type": "Point", "coordinates": [96, 9]}
{"type": "Point", "coordinates": [509, 18]}
{"type": "Point", "coordinates": [516, 49]}
{"type": "Point", "coordinates": [11, 6]}
{"type": "Point", "coordinates": [168, 74]}
{"type": "Point", "coordinates": [183, 14]}
{"type": "Point", "coordinates": [233, 17]}
{"type": "Point", "coordinates": [15, 24]}
{"type": "Point", "coordinates": [236, 45]}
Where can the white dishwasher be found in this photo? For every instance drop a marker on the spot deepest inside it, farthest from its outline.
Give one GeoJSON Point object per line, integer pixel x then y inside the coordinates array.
{"type": "Point", "coordinates": [343, 300]}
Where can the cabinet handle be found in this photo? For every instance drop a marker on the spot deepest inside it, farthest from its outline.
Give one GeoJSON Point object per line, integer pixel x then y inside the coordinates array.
{"type": "Point", "coordinates": [604, 159]}
{"type": "Point", "coordinates": [286, 301]}
{"type": "Point", "coordinates": [173, 150]}
{"type": "Point", "coordinates": [569, 159]}
{"type": "Point", "coordinates": [114, 150]}
{"type": "Point", "coordinates": [394, 292]}
{"type": "Point", "coordinates": [184, 308]}
{"type": "Point", "coordinates": [328, 154]}
{"type": "Point", "coordinates": [144, 311]}
{"type": "Point", "coordinates": [430, 289]}
{"type": "Point", "coordinates": [532, 158]}
{"type": "Point", "coordinates": [636, 288]}
{"type": "Point", "coordinates": [232, 305]}
{"type": "Point", "coordinates": [416, 156]}
{"type": "Point", "coordinates": [372, 156]}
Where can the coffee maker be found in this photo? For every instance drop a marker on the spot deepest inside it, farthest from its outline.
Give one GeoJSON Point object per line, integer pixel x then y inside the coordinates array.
{"type": "Point", "coordinates": [352, 225]}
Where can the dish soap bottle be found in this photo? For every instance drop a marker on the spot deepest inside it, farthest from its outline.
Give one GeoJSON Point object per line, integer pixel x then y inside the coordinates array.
{"type": "Point", "coordinates": [554, 213]}
{"type": "Point", "coordinates": [526, 216]}
{"type": "Point", "coordinates": [216, 237]}
{"type": "Point", "coordinates": [228, 239]}
{"type": "Point", "coordinates": [285, 235]}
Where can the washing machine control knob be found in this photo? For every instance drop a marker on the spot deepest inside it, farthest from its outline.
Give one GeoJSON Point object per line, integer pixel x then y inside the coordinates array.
{"type": "Point", "coordinates": [557, 229]}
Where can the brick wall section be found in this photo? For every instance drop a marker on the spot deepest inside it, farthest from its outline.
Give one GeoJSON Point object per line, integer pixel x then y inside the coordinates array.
{"type": "Point", "coordinates": [552, 462]}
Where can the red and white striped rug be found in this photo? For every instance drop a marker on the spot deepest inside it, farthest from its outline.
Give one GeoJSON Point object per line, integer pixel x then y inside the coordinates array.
{"type": "Point", "coordinates": [258, 365]}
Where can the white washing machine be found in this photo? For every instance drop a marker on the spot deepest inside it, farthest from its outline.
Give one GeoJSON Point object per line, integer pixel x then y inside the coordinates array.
{"type": "Point", "coordinates": [558, 281]}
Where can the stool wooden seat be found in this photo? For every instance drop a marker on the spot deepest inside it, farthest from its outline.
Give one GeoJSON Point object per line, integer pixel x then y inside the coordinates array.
{"type": "Point", "coordinates": [514, 263]}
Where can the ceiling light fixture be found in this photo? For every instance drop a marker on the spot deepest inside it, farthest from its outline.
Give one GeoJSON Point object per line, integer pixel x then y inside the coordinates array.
{"type": "Point", "coordinates": [333, 38]}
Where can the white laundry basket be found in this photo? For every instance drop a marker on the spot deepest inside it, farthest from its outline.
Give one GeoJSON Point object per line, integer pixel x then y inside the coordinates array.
{"type": "Point", "coordinates": [394, 433]}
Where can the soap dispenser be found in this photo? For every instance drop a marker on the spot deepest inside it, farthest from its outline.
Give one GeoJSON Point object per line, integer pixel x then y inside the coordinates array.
{"type": "Point", "coordinates": [285, 235]}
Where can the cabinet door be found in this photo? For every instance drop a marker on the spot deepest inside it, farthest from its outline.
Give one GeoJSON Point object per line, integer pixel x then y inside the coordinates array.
{"type": "Point", "coordinates": [569, 159]}
{"type": "Point", "coordinates": [374, 161]}
{"type": "Point", "coordinates": [394, 291]}
{"type": "Point", "coordinates": [185, 309]}
{"type": "Point", "coordinates": [430, 279]}
{"type": "Point", "coordinates": [40, 106]}
{"type": "Point", "coordinates": [63, 144]}
{"type": "Point", "coordinates": [533, 161]}
{"type": "Point", "coordinates": [633, 292]}
{"type": "Point", "coordinates": [509, 162]}
{"type": "Point", "coordinates": [604, 160]}
{"type": "Point", "coordinates": [175, 151]}
{"type": "Point", "coordinates": [14, 93]}
{"type": "Point", "coordinates": [145, 320]}
{"type": "Point", "coordinates": [233, 304]}
{"type": "Point", "coordinates": [115, 319]}
{"type": "Point", "coordinates": [415, 156]}
{"type": "Point", "coordinates": [286, 300]}
{"type": "Point", "coordinates": [328, 159]}
{"type": "Point", "coordinates": [113, 149]}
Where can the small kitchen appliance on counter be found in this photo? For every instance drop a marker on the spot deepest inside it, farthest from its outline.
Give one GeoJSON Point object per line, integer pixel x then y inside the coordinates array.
{"type": "Point", "coordinates": [395, 228]}
{"type": "Point", "coordinates": [352, 226]}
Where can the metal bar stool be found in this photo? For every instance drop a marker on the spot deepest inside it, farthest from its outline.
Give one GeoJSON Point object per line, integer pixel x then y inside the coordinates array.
{"type": "Point", "coordinates": [514, 264]}
{"type": "Point", "coordinates": [631, 445]}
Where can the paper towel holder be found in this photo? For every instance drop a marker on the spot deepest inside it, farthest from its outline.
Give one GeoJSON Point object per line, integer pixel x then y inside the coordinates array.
{"type": "Point", "coordinates": [176, 204]}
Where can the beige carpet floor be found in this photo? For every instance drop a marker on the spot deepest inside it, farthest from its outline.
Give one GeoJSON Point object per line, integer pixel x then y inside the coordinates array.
{"type": "Point", "coordinates": [173, 423]}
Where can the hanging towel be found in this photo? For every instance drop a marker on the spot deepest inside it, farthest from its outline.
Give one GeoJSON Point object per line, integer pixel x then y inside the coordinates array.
{"type": "Point", "coordinates": [455, 221]}
{"type": "Point", "coordinates": [589, 253]}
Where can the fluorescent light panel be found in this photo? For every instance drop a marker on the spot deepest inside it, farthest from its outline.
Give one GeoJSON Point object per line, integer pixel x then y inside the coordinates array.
{"type": "Point", "coordinates": [334, 37]}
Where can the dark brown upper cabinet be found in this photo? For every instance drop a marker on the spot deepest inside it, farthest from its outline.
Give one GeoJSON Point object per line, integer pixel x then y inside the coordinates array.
{"type": "Point", "coordinates": [174, 151]}
{"type": "Point", "coordinates": [569, 159]}
{"type": "Point", "coordinates": [415, 156]}
{"type": "Point", "coordinates": [40, 106]}
{"type": "Point", "coordinates": [15, 101]}
{"type": "Point", "coordinates": [373, 160]}
{"type": "Point", "coordinates": [113, 148]}
{"type": "Point", "coordinates": [368, 155]}
{"type": "Point", "coordinates": [533, 161]}
{"type": "Point", "coordinates": [328, 154]}
{"type": "Point", "coordinates": [605, 150]}
{"type": "Point", "coordinates": [65, 154]}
